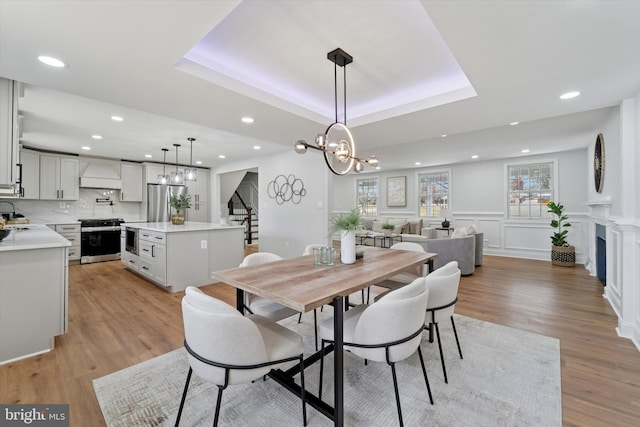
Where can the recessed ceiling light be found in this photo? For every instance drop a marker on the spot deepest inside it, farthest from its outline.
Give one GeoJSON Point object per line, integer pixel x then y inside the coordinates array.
{"type": "Point", "coordinates": [256, 147]}
{"type": "Point", "coordinates": [569, 95]}
{"type": "Point", "coordinates": [377, 168]}
{"type": "Point", "coordinates": [222, 156]}
{"type": "Point", "coordinates": [86, 148]}
{"type": "Point", "coordinates": [198, 162]}
{"type": "Point", "coordinates": [526, 150]}
{"type": "Point", "coordinates": [148, 156]}
{"type": "Point", "coordinates": [475, 156]}
{"type": "Point", "coordinates": [444, 135]}
{"type": "Point", "coordinates": [514, 123]}
{"type": "Point", "coordinates": [247, 119]}
{"type": "Point", "coordinates": [49, 60]}
{"type": "Point", "coordinates": [96, 136]}
{"type": "Point", "coordinates": [417, 163]}
{"type": "Point", "coordinates": [117, 118]}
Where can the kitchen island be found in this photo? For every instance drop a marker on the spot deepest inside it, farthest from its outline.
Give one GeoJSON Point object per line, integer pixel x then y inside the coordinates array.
{"type": "Point", "coordinates": [176, 256]}
{"type": "Point", "coordinates": [33, 291]}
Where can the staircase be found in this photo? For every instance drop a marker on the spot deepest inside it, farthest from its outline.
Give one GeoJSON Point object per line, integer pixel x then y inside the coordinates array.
{"type": "Point", "coordinates": [240, 213]}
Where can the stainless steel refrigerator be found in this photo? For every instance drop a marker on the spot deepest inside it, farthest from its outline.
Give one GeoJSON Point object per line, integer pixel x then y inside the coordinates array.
{"type": "Point", "coordinates": [158, 209]}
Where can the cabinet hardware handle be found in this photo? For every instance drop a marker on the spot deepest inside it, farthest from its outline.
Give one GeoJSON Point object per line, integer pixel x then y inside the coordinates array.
{"type": "Point", "coordinates": [145, 268]}
{"type": "Point", "coordinates": [132, 261]}
{"type": "Point", "coordinates": [62, 192]}
{"type": "Point", "coordinates": [152, 254]}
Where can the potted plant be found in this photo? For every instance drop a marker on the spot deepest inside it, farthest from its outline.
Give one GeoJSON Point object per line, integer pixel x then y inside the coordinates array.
{"type": "Point", "coordinates": [179, 204]}
{"type": "Point", "coordinates": [388, 228]}
{"type": "Point", "coordinates": [562, 253]}
{"type": "Point", "coordinates": [346, 224]}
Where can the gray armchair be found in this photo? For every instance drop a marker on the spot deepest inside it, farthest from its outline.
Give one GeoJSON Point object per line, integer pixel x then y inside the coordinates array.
{"type": "Point", "coordinates": [461, 249]}
{"type": "Point", "coordinates": [479, 247]}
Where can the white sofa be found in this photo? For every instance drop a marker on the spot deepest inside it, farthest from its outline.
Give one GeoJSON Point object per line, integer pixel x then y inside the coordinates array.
{"type": "Point", "coordinates": [410, 229]}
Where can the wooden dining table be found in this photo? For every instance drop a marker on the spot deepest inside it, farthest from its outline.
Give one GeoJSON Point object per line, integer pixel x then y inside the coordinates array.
{"type": "Point", "coordinates": [299, 284]}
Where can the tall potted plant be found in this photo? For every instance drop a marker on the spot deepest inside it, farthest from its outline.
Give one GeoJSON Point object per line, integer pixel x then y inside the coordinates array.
{"type": "Point", "coordinates": [346, 224]}
{"type": "Point", "coordinates": [562, 253]}
{"type": "Point", "coordinates": [179, 203]}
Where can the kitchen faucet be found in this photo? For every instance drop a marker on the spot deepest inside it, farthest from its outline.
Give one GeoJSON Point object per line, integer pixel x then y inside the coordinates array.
{"type": "Point", "coordinates": [12, 206]}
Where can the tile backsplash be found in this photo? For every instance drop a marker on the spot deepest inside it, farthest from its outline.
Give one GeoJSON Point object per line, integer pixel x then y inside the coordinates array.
{"type": "Point", "coordinates": [87, 206]}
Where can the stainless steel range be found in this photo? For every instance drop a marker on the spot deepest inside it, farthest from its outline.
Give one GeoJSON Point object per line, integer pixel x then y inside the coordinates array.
{"type": "Point", "coordinates": [100, 240]}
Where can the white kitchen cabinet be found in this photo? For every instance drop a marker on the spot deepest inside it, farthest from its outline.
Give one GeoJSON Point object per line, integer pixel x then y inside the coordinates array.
{"type": "Point", "coordinates": [33, 293]}
{"type": "Point", "coordinates": [199, 191]}
{"type": "Point", "coordinates": [178, 256]}
{"type": "Point", "coordinates": [9, 131]}
{"type": "Point", "coordinates": [151, 172]}
{"type": "Point", "coordinates": [30, 185]}
{"type": "Point", "coordinates": [131, 176]}
{"type": "Point", "coordinates": [71, 232]}
{"type": "Point", "coordinates": [129, 260]}
{"type": "Point", "coordinates": [59, 178]}
{"type": "Point", "coordinates": [153, 258]}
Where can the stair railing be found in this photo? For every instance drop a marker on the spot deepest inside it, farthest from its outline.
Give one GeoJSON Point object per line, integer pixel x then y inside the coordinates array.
{"type": "Point", "coordinates": [237, 203]}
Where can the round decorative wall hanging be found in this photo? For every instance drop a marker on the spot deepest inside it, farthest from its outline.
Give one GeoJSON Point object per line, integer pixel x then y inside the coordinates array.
{"type": "Point", "coordinates": [598, 163]}
{"type": "Point", "coordinates": [286, 189]}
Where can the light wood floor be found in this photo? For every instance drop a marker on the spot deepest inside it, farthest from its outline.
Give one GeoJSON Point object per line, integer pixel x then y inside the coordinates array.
{"type": "Point", "coordinates": [117, 319]}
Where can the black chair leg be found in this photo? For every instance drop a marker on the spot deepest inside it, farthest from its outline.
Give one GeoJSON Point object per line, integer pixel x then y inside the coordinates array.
{"type": "Point", "coordinates": [424, 372]}
{"type": "Point", "coordinates": [184, 396]}
{"type": "Point", "coordinates": [321, 369]}
{"type": "Point", "coordinates": [299, 317]}
{"type": "Point", "coordinates": [444, 369]}
{"type": "Point", "coordinates": [302, 392]}
{"type": "Point", "coordinates": [217, 415]}
{"type": "Point", "coordinates": [315, 327]}
{"type": "Point", "coordinates": [430, 332]}
{"type": "Point", "coordinates": [395, 388]}
{"type": "Point", "coordinates": [455, 333]}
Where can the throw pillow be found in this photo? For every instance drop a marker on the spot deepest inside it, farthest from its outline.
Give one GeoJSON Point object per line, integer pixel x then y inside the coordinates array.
{"type": "Point", "coordinates": [415, 226]}
{"type": "Point", "coordinates": [459, 232]}
{"type": "Point", "coordinates": [406, 229]}
{"type": "Point", "coordinates": [377, 226]}
{"type": "Point", "coordinates": [471, 229]}
{"type": "Point", "coordinates": [367, 224]}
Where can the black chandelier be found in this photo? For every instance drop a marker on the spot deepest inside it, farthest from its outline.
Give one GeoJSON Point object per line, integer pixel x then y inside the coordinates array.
{"type": "Point", "coordinates": [337, 143]}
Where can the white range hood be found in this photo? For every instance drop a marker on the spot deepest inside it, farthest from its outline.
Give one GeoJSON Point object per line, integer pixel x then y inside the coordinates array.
{"type": "Point", "coordinates": [101, 175]}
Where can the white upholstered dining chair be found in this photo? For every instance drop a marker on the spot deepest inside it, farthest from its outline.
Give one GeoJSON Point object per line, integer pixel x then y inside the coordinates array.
{"type": "Point", "coordinates": [266, 307]}
{"type": "Point", "coordinates": [226, 348]}
{"type": "Point", "coordinates": [389, 330]}
{"type": "Point", "coordinates": [443, 286]}
{"type": "Point", "coordinates": [405, 277]}
{"type": "Point", "coordinates": [259, 305]}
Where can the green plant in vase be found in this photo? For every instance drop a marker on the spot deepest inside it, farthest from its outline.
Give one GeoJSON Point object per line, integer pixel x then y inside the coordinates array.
{"type": "Point", "coordinates": [346, 224]}
{"type": "Point", "coordinates": [562, 253]}
{"type": "Point", "coordinates": [179, 203]}
{"type": "Point", "coordinates": [388, 228]}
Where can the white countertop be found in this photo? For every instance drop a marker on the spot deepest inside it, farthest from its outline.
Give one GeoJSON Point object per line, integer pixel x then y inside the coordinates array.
{"type": "Point", "coordinates": [167, 227]}
{"type": "Point", "coordinates": [32, 236]}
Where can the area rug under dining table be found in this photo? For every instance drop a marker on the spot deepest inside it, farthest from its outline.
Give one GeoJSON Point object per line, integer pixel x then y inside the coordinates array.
{"type": "Point", "coordinates": [508, 377]}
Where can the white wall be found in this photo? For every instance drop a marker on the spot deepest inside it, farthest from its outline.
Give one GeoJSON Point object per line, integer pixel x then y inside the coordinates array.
{"type": "Point", "coordinates": [287, 228]}
{"type": "Point", "coordinates": [617, 207]}
{"type": "Point", "coordinates": [478, 196]}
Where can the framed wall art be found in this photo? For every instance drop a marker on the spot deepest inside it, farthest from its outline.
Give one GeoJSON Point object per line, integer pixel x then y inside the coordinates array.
{"type": "Point", "coordinates": [397, 191]}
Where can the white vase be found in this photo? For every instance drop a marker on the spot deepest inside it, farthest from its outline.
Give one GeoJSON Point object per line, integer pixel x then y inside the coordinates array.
{"type": "Point", "coordinates": [348, 247]}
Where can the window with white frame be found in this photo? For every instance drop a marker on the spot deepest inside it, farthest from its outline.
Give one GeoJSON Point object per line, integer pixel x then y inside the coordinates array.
{"type": "Point", "coordinates": [367, 196]}
{"type": "Point", "coordinates": [433, 189]}
{"type": "Point", "coordinates": [531, 187]}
